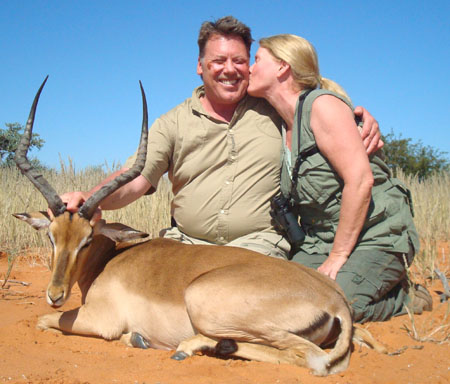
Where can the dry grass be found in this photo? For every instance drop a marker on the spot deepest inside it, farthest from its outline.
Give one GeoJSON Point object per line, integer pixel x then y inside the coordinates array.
{"type": "Point", "coordinates": [151, 213]}
{"type": "Point", "coordinates": [431, 208]}
{"type": "Point", "coordinates": [432, 330]}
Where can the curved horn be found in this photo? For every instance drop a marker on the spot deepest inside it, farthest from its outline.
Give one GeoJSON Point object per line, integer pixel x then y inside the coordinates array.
{"type": "Point", "coordinates": [54, 201]}
{"type": "Point", "coordinates": [88, 208]}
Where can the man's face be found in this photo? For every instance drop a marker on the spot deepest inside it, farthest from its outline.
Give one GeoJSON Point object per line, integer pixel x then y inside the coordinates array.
{"type": "Point", "coordinates": [224, 69]}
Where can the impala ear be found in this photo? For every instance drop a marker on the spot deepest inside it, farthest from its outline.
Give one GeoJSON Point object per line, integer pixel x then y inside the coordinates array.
{"type": "Point", "coordinates": [38, 220]}
{"type": "Point", "coordinates": [117, 231]}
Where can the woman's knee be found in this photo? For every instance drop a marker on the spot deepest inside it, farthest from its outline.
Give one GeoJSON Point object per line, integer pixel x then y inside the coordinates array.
{"type": "Point", "coordinates": [369, 300]}
{"type": "Point", "coordinates": [310, 261]}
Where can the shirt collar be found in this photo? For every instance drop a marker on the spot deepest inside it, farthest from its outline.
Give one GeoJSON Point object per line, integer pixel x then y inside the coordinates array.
{"type": "Point", "coordinates": [198, 107]}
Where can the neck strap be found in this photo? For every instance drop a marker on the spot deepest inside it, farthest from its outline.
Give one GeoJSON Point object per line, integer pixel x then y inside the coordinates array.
{"type": "Point", "coordinates": [300, 157]}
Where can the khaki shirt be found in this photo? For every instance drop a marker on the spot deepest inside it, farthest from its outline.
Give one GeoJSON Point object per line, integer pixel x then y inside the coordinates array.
{"type": "Point", "coordinates": [223, 174]}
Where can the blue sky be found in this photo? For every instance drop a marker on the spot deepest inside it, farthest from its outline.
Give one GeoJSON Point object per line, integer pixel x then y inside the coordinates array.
{"type": "Point", "coordinates": [392, 57]}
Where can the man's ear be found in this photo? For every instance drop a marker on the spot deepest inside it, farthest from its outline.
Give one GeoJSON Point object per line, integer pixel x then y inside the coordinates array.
{"type": "Point", "coordinates": [38, 220]}
{"type": "Point", "coordinates": [199, 67]}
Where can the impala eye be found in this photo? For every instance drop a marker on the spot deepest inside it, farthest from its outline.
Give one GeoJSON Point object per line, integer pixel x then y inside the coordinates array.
{"type": "Point", "coordinates": [87, 242]}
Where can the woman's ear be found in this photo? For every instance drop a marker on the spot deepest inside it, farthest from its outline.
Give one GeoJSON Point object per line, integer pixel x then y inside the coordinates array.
{"type": "Point", "coordinates": [284, 70]}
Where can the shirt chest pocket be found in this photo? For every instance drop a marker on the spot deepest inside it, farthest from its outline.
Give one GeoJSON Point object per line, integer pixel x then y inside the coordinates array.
{"type": "Point", "coordinates": [190, 142]}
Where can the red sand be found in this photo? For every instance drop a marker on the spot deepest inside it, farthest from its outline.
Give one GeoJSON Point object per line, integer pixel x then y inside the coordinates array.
{"type": "Point", "coordinates": [28, 355]}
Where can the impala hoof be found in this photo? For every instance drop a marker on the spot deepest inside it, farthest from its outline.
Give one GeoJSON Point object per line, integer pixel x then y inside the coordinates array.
{"type": "Point", "coordinates": [138, 341]}
{"type": "Point", "coordinates": [179, 356]}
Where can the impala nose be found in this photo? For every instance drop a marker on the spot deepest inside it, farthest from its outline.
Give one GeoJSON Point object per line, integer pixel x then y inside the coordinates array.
{"type": "Point", "coordinates": [55, 296]}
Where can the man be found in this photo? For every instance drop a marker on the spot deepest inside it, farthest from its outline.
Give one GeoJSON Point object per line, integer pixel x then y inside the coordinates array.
{"type": "Point", "coordinates": [221, 149]}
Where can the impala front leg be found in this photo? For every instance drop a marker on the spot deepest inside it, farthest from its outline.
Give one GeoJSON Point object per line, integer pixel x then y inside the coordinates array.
{"type": "Point", "coordinates": [77, 321]}
{"type": "Point", "coordinates": [49, 322]}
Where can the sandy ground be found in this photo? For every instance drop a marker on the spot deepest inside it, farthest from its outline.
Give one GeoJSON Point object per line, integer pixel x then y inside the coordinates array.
{"type": "Point", "coordinates": [28, 355]}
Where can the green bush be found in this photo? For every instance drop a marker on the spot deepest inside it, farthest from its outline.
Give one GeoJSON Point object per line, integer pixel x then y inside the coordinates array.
{"type": "Point", "coordinates": [413, 158]}
{"type": "Point", "coordinates": [9, 140]}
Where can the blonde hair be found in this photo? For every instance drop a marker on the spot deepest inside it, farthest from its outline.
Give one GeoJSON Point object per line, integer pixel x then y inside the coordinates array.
{"type": "Point", "coordinates": [300, 54]}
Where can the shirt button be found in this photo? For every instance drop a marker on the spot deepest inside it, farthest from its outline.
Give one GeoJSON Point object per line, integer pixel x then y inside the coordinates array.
{"type": "Point", "coordinates": [222, 211]}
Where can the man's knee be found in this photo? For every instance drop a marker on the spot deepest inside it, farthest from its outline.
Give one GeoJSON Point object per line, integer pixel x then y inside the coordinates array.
{"type": "Point", "coordinates": [175, 234]}
{"type": "Point", "coordinates": [268, 243]}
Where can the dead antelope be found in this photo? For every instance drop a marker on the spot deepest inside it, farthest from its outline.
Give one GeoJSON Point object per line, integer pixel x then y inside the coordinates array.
{"type": "Point", "coordinates": [167, 295]}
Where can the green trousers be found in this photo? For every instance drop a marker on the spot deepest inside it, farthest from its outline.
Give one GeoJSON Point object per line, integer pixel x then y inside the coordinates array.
{"type": "Point", "coordinates": [373, 281]}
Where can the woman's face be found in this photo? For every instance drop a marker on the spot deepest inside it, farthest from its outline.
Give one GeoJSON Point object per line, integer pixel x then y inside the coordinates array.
{"type": "Point", "coordinates": [263, 73]}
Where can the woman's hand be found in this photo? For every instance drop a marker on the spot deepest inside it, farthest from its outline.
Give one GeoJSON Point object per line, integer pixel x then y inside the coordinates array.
{"type": "Point", "coordinates": [332, 265]}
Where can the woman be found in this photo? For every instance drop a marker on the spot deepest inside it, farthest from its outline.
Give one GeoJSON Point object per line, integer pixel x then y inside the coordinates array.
{"type": "Point", "coordinates": [356, 217]}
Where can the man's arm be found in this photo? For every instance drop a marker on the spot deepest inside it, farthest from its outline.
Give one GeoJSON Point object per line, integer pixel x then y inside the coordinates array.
{"type": "Point", "coordinates": [370, 133]}
{"type": "Point", "coordinates": [160, 146]}
{"type": "Point", "coordinates": [120, 198]}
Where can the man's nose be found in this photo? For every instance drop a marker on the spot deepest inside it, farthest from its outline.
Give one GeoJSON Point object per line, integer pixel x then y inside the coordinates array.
{"type": "Point", "coordinates": [229, 66]}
